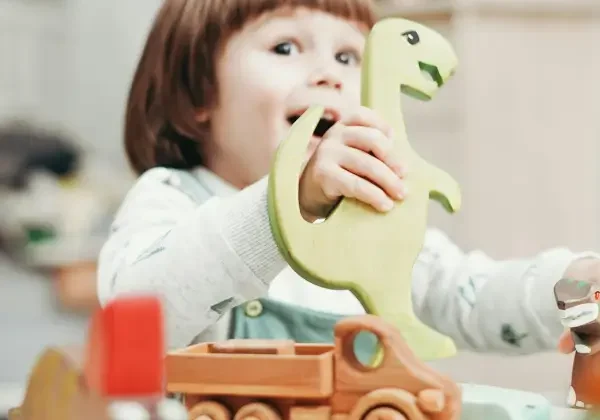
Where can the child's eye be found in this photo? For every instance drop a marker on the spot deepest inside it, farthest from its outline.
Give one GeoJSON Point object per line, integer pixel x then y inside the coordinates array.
{"type": "Point", "coordinates": [348, 58]}
{"type": "Point", "coordinates": [285, 48]}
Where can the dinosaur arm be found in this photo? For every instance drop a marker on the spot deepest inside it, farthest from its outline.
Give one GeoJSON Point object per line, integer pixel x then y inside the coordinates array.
{"type": "Point", "coordinates": [444, 189]}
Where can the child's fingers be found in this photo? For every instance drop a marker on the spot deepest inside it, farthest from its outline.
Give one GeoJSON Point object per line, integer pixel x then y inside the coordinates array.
{"type": "Point", "coordinates": [367, 117]}
{"type": "Point", "coordinates": [374, 170]}
{"type": "Point", "coordinates": [372, 140]}
{"type": "Point", "coordinates": [344, 183]}
{"type": "Point", "coordinates": [565, 343]}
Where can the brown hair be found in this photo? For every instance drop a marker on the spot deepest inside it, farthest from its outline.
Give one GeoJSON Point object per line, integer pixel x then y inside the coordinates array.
{"type": "Point", "coordinates": [175, 76]}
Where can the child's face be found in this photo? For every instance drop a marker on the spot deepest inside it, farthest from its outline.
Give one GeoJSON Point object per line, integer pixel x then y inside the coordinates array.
{"type": "Point", "coordinates": [272, 70]}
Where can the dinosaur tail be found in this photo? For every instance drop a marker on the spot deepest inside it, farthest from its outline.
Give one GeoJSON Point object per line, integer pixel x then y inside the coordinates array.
{"type": "Point", "coordinates": [291, 232]}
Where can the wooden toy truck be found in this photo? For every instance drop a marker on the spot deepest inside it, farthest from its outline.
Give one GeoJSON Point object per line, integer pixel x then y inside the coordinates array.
{"type": "Point", "coordinates": [283, 380]}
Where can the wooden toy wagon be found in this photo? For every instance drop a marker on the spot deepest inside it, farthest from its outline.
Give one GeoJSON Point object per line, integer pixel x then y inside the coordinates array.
{"type": "Point", "coordinates": [283, 380]}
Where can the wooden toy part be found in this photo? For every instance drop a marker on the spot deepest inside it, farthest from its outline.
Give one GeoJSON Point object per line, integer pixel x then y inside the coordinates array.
{"type": "Point", "coordinates": [435, 394]}
{"type": "Point", "coordinates": [280, 380]}
{"type": "Point", "coordinates": [357, 248]}
{"type": "Point", "coordinates": [45, 396]}
{"type": "Point", "coordinates": [57, 390]}
{"type": "Point", "coordinates": [253, 347]}
{"type": "Point", "coordinates": [584, 391]}
{"type": "Point", "coordinates": [122, 367]}
{"type": "Point", "coordinates": [578, 305]}
{"type": "Point", "coordinates": [125, 354]}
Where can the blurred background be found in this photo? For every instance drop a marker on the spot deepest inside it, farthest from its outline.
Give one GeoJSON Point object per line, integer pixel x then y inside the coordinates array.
{"type": "Point", "coordinates": [519, 127]}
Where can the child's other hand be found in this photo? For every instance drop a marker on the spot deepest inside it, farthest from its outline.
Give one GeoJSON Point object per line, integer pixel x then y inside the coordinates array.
{"type": "Point", "coordinates": [354, 159]}
{"type": "Point", "coordinates": [566, 344]}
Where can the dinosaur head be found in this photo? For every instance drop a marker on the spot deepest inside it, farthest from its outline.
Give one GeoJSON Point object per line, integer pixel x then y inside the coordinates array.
{"type": "Point", "coordinates": [418, 57]}
{"type": "Point", "coordinates": [577, 302]}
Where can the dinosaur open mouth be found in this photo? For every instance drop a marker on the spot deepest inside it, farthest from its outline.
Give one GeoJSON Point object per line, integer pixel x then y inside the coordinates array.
{"type": "Point", "coordinates": [323, 126]}
{"type": "Point", "coordinates": [431, 71]}
{"type": "Point", "coordinates": [579, 315]}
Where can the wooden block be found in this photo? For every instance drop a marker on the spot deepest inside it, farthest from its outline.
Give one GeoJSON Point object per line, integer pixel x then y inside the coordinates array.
{"type": "Point", "coordinates": [125, 353]}
{"type": "Point", "coordinates": [55, 383]}
{"type": "Point", "coordinates": [122, 366]}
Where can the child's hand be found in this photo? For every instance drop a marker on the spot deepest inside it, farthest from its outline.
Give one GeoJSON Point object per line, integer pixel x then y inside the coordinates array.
{"type": "Point", "coordinates": [354, 159]}
{"type": "Point", "coordinates": [566, 344]}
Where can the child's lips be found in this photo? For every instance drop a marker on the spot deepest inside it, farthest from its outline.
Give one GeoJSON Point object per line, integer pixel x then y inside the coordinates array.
{"type": "Point", "coordinates": [328, 120]}
{"type": "Point", "coordinates": [329, 113]}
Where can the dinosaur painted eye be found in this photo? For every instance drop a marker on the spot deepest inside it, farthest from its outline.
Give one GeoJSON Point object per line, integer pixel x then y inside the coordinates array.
{"type": "Point", "coordinates": [412, 37]}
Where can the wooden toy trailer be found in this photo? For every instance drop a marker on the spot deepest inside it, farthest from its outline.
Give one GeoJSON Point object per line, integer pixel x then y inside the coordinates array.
{"type": "Point", "coordinates": [283, 380]}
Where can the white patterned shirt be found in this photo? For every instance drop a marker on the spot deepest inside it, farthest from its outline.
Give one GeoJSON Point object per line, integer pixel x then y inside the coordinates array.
{"type": "Point", "coordinates": [199, 243]}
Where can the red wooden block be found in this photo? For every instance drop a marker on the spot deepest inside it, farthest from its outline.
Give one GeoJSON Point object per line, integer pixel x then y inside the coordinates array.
{"type": "Point", "coordinates": [126, 348]}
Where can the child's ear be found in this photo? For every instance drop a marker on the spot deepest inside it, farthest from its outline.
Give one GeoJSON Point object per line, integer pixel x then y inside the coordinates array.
{"type": "Point", "coordinates": [202, 115]}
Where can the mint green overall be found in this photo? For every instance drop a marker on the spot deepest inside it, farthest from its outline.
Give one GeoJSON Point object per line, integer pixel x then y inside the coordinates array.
{"type": "Point", "coordinates": [270, 319]}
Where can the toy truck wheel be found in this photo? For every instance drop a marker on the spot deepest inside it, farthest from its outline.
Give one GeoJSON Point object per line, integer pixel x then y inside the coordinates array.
{"type": "Point", "coordinates": [385, 413]}
{"type": "Point", "coordinates": [402, 403]}
{"type": "Point", "coordinates": [257, 411]}
{"type": "Point", "coordinates": [209, 410]}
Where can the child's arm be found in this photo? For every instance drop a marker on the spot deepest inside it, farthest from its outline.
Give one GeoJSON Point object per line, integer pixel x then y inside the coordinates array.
{"type": "Point", "coordinates": [197, 255]}
{"type": "Point", "coordinates": [487, 305]}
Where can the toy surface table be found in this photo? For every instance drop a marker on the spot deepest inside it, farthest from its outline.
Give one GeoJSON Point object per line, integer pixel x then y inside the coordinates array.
{"type": "Point", "coordinates": [12, 397]}
{"type": "Point", "coordinates": [560, 412]}
{"type": "Point", "coordinates": [568, 414]}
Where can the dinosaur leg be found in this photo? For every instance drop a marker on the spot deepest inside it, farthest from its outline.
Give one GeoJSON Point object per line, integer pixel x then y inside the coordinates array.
{"type": "Point", "coordinates": [426, 343]}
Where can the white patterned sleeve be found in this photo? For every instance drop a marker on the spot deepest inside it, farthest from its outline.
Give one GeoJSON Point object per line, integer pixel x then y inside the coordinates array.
{"type": "Point", "coordinates": [202, 258]}
{"type": "Point", "coordinates": [488, 305]}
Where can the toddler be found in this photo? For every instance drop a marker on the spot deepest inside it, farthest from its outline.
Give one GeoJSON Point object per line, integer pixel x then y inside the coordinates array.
{"type": "Point", "coordinates": [217, 87]}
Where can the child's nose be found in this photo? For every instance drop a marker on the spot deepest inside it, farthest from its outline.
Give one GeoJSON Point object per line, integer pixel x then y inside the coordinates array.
{"type": "Point", "coordinates": [326, 79]}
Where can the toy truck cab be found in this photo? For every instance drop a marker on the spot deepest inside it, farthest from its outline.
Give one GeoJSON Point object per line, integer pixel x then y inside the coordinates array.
{"type": "Point", "coordinates": [400, 381]}
{"type": "Point", "coordinates": [283, 380]}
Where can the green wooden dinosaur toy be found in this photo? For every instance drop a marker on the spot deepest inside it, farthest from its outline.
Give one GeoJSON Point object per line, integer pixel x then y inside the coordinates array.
{"type": "Point", "coordinates": [356, 248]}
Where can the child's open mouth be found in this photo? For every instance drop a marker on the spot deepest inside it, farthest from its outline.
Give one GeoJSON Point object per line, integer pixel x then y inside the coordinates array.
{"type": "Point", "coordinates": [325, 123]}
